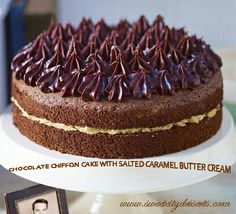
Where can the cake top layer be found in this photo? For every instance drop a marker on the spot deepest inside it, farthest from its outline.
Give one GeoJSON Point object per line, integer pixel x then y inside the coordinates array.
{"type": "Point", "coordinates": [97, 61]}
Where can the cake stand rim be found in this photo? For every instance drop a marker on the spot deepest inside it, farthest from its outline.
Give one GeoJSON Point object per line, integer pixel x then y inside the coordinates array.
{"type": "Point", "coordinates": [122, 191]}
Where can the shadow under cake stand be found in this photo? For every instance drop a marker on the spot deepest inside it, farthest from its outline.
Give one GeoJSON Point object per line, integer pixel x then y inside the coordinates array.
{"type": "Point", "coordinates": [106, 187]}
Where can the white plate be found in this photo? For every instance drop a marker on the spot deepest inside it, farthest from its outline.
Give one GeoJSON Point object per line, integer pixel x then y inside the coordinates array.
{"type": "Point", "coordinates": [17, 150]}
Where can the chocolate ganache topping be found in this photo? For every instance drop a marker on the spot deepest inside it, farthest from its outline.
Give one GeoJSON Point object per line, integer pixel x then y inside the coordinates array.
{"type": "Point", "coordinates": [97, 61]}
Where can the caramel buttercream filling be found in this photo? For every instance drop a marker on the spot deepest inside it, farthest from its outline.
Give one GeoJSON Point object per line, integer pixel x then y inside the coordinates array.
{"type": "Point", "coordinates": [92, 130]}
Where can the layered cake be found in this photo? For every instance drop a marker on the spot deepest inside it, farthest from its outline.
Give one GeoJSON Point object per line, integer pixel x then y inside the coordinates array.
{"type": "Point", "coordinates": [130, 90]}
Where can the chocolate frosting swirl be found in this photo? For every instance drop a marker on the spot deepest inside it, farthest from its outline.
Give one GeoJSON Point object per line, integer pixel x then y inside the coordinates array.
{"type": "Point", "coordinates": [141, 83]}
{"type": "Point", "coordinates": [49, 79]}
{"type": "Point", "coordinates": [98, 61]}
{"type": "Point", "coordinates": [117, 87]}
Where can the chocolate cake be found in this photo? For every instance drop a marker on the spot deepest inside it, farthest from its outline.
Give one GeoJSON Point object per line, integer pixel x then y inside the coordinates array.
{"type": "Point", "coordinates": [130, 90]}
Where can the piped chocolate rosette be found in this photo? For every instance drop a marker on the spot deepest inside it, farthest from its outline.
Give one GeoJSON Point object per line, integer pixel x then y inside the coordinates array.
{"type": "Point", "coordinates": [98, 61]}
{"type": "Point", "coordinates": [152, 70]}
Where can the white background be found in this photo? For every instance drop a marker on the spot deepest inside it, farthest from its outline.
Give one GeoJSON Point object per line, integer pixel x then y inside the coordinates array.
{"type": "Point", "coordinates": [214, 20]}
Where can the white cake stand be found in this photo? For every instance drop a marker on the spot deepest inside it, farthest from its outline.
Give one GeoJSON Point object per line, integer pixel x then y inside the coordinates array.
{"type": "Point", "coordinates": [17, 150]}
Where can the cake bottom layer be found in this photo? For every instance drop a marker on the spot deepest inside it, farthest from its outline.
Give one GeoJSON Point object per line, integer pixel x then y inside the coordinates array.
{"type": "Point", "coordinates": [118, 146]}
